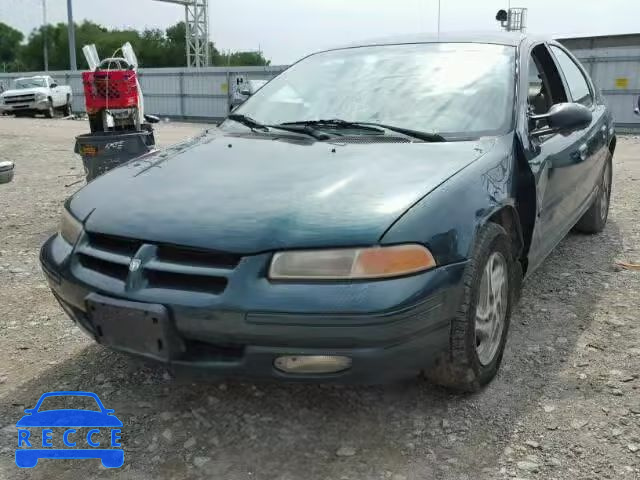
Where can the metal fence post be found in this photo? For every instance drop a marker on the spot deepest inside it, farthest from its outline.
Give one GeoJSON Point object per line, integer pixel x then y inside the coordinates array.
{"type": "Point", "coordinates": [228, 91]}
{"type": "Point", "coordinates": [182, 98]}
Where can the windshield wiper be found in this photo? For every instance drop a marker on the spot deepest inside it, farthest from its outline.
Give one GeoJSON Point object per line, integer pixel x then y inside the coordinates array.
{"type": "Point", "coordinates": [335, 123]}
{"type": "Point", "coordinates": [248, 122]}
{"type": "Point", "coordinates": [371, 126]}
{"type": "Point", "coordinates": [255, 125]}
{"type": "Point", "coordinates": [426, 136]}
{"type": "Point", "coordinates": [302, 128]}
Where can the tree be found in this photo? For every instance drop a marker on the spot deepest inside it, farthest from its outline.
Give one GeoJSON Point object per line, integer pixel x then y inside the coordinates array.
{"type": "Point", "coordinates": [10, 40]}
{"type": "Point", "coordinates": [153, 47]}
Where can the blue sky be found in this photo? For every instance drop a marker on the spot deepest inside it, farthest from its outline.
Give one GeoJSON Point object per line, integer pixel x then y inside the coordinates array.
{"type": "Point", "coordinates": [287, 29]}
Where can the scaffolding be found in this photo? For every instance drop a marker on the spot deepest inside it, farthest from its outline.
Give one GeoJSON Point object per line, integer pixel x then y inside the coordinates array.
{"type": "Point", "coordinates": [197, 31]}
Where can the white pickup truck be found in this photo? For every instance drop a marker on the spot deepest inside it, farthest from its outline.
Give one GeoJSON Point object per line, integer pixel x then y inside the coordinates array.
{"type": "Point", "coordinates": [40, 94]}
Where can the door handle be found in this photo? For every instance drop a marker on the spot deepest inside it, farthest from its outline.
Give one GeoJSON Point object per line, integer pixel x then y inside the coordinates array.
{"type": "Point", "coordinates": [581, 154]}
{"type": "Point", "coordinates": [583, 151]}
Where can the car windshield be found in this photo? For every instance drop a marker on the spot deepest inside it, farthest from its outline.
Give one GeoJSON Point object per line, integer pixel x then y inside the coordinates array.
{"type": "Point", "coordinates": [454, 89]}
{"type": "Point", "coordinates": [30, 83]}
{"type": "Point", "coordinates": [78, 402]}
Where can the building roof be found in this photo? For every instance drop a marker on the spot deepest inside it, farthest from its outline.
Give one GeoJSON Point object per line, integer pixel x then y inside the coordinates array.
{"type": "Point", "coordinates": [601, 41]}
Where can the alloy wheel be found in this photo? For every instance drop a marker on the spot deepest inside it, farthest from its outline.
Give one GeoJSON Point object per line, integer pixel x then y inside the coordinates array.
{"type": "Point", "coordinates": [491, 310]}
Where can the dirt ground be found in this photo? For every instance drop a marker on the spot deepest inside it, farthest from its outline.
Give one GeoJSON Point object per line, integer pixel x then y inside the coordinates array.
{"type": "Point", "coordinates": [566, 404]}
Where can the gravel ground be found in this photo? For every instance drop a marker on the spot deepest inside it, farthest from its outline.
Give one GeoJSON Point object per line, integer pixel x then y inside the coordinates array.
{"type": "Point", "coordinates": [566, 404]}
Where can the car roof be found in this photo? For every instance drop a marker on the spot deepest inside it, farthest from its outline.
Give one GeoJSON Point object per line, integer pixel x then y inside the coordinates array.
{"type": "Point", "coordinates": [498, 38]}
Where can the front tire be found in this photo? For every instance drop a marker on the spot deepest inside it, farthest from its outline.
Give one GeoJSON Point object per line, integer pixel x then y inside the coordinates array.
{"type": "Point", "coordinates": [66, 110]}
{"type": "Point", "coordinates": [49, 112]}
{"type": "Point", "coordinates": [479, 330]}
{"type": "Point", "coordinates": [595, 219]}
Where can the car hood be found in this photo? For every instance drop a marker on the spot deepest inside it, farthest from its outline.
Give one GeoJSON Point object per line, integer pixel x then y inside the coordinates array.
{"type": "Point", "coordinates": [250, 195]}
{"type": "Point", "coordinates": [69, 418]}
{"type": "Point", "coordinates": [24, 91]}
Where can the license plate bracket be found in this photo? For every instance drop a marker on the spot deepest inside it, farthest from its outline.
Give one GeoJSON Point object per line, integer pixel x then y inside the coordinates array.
{"type": "Point", "coordinates": [140, 328]}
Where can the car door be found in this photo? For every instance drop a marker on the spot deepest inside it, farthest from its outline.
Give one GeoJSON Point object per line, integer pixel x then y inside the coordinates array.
{"type": "Point", "coordinates": [562, 164]}
{"type": "Point", "coordinates": [582, 91]}
{"type": "Point", "coordinates": [55, 92]}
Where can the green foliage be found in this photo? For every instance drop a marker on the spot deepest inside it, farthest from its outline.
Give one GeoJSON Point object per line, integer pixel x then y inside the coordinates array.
{"type": "Point", "coordinates": [154, 48]}
{"type": "Point", "coordinates": [10, 39]}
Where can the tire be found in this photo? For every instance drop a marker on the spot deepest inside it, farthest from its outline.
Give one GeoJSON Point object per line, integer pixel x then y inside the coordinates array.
{"type": "Point", "coordinates": [595, 219]}
{"type": "Point", "coordinates": [66, 110]}
{"type": "Point", "coordinates": [471, 361]}
{"type": "Point", "coordinates": [49, 112]}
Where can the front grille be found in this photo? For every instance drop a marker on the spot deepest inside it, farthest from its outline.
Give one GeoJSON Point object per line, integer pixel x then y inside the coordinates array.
{"type": "Point", "coordinates": [119, 245]}
{"type": "Point", "coordinates": [163, 266]}
{"type": "Point", "coordinates": [113, 270]}
{"type": "Point", "coordinates": [183, 281]}
{"type": "Point", "coordinates": [198, 258]}
{"type": "Point", "coordinates": [19, 99]}
{"type": "Point", "coordinates": [207, 352]}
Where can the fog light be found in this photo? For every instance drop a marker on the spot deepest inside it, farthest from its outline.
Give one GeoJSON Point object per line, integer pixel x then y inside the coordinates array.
{"type": "Point", "coordinates": [312, 364]}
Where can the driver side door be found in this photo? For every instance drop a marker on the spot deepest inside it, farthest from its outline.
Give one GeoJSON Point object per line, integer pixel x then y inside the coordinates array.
{"type": "Point", "coordinates": [563, 164]}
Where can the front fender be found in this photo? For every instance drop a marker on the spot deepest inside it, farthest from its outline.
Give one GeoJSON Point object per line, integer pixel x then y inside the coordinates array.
{"type": "Point", "coordinates": [447, 220]}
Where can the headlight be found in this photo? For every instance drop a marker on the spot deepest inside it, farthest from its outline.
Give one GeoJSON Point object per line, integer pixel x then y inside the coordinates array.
{"type": "Point", "coordinates": [70, 228]}
{"type": "Point", "coordinates": [40, 96]}
{"type": "Point", "coordinates": [356, 263]}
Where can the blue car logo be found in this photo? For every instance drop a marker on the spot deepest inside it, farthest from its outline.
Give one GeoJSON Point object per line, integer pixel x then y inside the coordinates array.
{"type": "Point", "coordinates": [79, 431]}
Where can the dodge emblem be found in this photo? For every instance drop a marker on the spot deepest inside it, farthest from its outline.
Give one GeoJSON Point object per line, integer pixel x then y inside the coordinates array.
{"type": "Point", "coordinates": [134, 266]}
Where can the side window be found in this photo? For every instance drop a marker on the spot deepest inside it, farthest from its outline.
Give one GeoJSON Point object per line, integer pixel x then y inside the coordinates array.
{"type": "Point", "coordinates": [545, 87]}
{"type": "Point", "coordinates": [578, 85]}
{"type": "Point", "coordinates": [538, 94]}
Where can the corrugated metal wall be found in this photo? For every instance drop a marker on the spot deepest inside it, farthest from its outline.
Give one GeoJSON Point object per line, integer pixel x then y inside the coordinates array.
{"type": "Point", "coordinates": [616, 71]}
{"type": "Point", "coordinates": [175, 92]}
{"type": "Point", "coordinates": [204, 94]}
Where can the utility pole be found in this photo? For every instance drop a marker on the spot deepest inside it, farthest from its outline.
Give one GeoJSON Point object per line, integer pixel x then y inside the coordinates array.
{"type": "Point", "coordinates": [44, 35]}
{"type": "Point", "coordinates": [72, 36]}
{"type": "Point", "coordinates": [439, 10]}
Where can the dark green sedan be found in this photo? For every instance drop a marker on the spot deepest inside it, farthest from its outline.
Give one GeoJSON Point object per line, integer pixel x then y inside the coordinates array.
{"type": "Point", "coordinates": [368, 215]}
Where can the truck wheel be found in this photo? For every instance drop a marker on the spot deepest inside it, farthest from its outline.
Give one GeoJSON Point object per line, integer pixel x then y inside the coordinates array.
{"type": "Point", "coordinates": [49, 112]}
{"type": "Point", "coordinates": [66, 110]}
{"type": "Point", "coordinates": [479, 329]}
{"type": "Point", "coordinates": [595, 219]}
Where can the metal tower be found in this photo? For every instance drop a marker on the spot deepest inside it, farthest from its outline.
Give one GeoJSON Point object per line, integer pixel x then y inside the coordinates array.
{"type": "Point", "coordinates": [197, 26]}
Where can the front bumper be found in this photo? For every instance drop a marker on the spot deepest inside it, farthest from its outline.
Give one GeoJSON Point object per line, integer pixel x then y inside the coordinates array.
{"type": "Point", "coordinates": [390, 329]}
{"type": "Point", "coordinates": [25, 107]}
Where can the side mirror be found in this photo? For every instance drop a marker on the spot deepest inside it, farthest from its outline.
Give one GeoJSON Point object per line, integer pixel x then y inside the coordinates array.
{"type": "Point", "coordinates": [246, 92]}
{"type": "Point", "coordinates": [54, 85]}
{"type": "Point", "coordinates": [151, 118]}
{"type": "Point", "coordinates": [563, 118]}
{"type": "Point", "coordinates": [6, 172]}
{"type": "Point", "coordinates": [29, 410]}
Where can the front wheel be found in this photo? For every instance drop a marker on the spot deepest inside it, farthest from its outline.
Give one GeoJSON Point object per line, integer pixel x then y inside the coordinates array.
{"type": "Point", "coordinates": [49, 112]}
{"type": "Point", "coordinates": [479, 330]}
{"type": "Point", "coordinates": [66, 110]}
{"type": "Point", "coordinates": [595, 219]}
